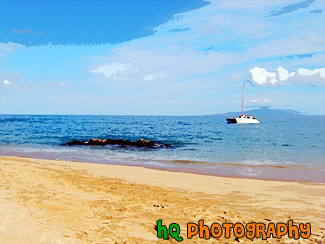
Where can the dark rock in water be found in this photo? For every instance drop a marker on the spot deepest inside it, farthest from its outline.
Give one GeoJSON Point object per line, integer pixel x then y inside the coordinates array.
{"type": "Point", "coordinates": [144, 143]}
{"type": "Point", "coordinates": [95, 141]}
{"type": "Point", "coordinates": [75, 142]}
{"type": "Point", "coordinates": [103, 142]}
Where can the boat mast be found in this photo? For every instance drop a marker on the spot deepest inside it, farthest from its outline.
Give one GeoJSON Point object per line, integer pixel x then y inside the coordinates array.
{"type": "Point", "coordinates": [242, 104]}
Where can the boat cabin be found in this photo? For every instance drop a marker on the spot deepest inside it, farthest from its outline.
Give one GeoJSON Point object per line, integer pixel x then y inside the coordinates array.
{"type": "Point", "coordinates": [243, 116]}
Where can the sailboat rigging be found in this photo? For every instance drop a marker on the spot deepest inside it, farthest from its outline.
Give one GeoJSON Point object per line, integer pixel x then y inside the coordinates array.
{"type": "Point", "coordinates": [243, 119]}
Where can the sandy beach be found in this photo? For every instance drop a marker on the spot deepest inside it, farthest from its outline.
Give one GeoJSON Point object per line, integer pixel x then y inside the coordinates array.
{"type": "Point", "coordinates": [51, 201]}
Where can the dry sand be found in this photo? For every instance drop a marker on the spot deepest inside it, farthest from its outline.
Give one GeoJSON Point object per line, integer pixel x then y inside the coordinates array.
{"type": "Point", "coordinates": [49, 201]}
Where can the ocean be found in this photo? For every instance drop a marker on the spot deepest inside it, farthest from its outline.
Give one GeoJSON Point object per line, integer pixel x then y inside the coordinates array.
{"type": "Point", "coordinates": [279, 148]}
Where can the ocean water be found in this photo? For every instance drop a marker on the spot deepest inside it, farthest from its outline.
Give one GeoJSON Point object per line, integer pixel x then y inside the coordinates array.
{"type": "Point", "coordinates": [285, 148]}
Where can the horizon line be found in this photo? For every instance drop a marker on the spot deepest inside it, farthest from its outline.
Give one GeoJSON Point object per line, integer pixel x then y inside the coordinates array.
{"type": "Point", "coordinates": [166, 115]}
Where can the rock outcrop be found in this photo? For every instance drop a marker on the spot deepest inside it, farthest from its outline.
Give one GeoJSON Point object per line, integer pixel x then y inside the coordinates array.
{"type": "Point", "coordinates": [104, 142]}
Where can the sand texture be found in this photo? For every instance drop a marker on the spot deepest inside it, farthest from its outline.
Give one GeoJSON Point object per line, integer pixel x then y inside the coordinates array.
{"type": "Point", "coordinates": [50, 201]}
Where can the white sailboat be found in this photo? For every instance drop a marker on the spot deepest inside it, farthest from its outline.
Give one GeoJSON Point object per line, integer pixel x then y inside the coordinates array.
{"type": "Point", "coordinates": [243, 118]}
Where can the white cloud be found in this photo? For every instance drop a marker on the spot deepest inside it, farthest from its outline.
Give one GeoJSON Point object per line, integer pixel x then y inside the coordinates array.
{"type": "Point", "coordinates": [151, 77]}
{"type": "Point", "coordinates": [308, 72]}
{"type": "Point", "coordinates": [62, 84]}
{"type": "Point", "coordinates": [6, 82]}
{"type": "Point", "coordinates": [10, 46]}
{"type": "Point", "coordinates": [257, 101]}
{"type": "Point", "coordinates": [21, 85]}
{"type": "Point", "coordinates": [232, 39]}
{"type": "Point", "coordinates": [218, 47]}
{"type": "Point", "coordinates": [267, 100]}
{"type": "Point", "coordinates": [7, 48]}
{"type": "Point", "coordinates": [260, 76]}
{"type": "Point", "coordinates": [284, 74]}
{"type": "Point", "coordinates": [116, 70]}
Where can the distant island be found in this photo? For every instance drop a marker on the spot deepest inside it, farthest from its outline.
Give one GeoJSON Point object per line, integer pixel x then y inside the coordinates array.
{"type": "Point", "coordinates": [265, 111]}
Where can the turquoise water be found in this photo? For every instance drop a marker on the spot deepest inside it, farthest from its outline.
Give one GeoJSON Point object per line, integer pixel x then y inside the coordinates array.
{"type": "Point", "coordinates": [282, 148]}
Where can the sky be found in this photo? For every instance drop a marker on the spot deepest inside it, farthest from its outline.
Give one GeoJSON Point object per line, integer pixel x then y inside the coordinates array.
{"type": "Point", "coordinates": [161, 57]}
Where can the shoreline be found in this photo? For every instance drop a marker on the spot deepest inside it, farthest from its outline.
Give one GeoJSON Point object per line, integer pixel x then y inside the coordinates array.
{"type": "Point", "coordinates": [276, 172]}
{"type": "Point", "coordinates": [77, 202]}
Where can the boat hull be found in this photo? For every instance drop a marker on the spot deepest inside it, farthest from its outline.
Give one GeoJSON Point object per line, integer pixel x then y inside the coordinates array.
{"type": "Point", "coordinates": [247, 121]}
{"type": "Point", "coordinates": [231, 121]}
{"type": "Point", "coordinates": [242, 121]}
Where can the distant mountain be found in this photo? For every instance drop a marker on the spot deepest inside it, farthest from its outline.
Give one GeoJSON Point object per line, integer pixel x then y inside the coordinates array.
{"type": "Point", "coordinates": [267, 112]}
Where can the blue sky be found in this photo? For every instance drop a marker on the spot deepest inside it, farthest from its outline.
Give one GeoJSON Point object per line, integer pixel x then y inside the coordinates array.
{"type": "Point", "coordinates": [161, 57]}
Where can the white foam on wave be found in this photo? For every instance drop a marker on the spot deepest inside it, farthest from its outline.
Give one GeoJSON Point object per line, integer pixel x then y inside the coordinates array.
{"type": "Point", "coordinates": [250, 172]}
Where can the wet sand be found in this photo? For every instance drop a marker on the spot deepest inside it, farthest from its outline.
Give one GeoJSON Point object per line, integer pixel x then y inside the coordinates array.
{"type": "Point", "coordinates": [50, 201]}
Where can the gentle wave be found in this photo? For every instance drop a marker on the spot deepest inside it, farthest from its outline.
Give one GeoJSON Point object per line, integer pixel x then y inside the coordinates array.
{"type": "Point", "coordinates": [260, 165]}
{"type": "Point", "coordinates": [199, 144]}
